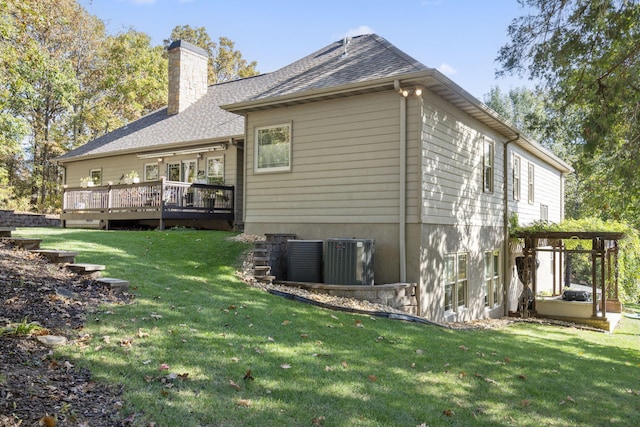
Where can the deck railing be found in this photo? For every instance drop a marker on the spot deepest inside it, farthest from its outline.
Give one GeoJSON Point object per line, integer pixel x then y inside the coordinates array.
{"type": "Point", "coordinates": [160, 199]}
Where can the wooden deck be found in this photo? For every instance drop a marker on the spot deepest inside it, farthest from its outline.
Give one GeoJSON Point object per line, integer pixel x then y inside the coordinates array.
{"type": "Point", "coordinates": [149, 201]}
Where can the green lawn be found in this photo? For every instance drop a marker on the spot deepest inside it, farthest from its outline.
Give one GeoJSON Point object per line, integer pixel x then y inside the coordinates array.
{"type": "Point", "coordinates": [197, 347]}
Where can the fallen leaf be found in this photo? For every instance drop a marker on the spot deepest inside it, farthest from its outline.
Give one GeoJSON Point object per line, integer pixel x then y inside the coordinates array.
{"type": "Point", "coordinates": [285, 323]}
{"type": "Point", "coordinates": [373, 378]}
{"type": "Point", "coordinates": [462, 375]}
{"type": "Point", "coordinates": [183, 376]}
{"type": "Point", "coordinates": [47, 421]}
{"type": "Point", "coordinates": [106, 339]}
{"type": "Point", "coordinates": [334, 317]}
{"type": "Point", "coordinates": [285, 366]}
{"type": "Point", "coordinates": [271, 339]}
{"type": "Point", "coordinates": [235, 359]}
{"type": "Point", "coordinates": [463, 348]}
{"type": "Point", "coordinates": [142, 334]}
{"type": "Point", "coordinates": [155, 316]}
{"type": "Point", "coordinates": [524, 402]}
{"type": "Point", "coordinates": [148, 378]}
{"type": "Point", "coordinates": [448, 412]}
{"type": "Point", "coordinates": [247, 375]}
{"type": "Point", "coordinates": [164, 367]}
{"type": "Point", "coordinates": [304, 336]}
{"type": "Point", "coordinates": [328, 369]}
{"type": "Point", "coordinates": [522, 377]}
{"type": "Point", "coordinates": [345, 365]}
{"type": "Point", "coordinates": [570, 399]}
{"type": "Point", "coordinates": [317, 421]}
{"type": "Point", "coordinates": [359, 324]}
{"type": "Point", "coordinates": [234, 385]}
{"type": "Point", "coordinates": [507, 359]}
{"type": "Point", "coordinates": [490, 381]}
{"type": "Point", "coordinates": [244, 402]}
{"type": "Point", "coordinates": [126, 343]}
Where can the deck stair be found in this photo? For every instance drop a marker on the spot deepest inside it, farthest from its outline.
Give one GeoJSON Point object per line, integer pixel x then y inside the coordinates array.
{"type": "Point", "coordinates": [116, 285]}
{"type": "Point", "coordinates": [90, 270]}
{"type": "Point", "coordinates": [261, 266]}
{"type": "Point", "coordinates": [6, 231]}
{"type": "Point", "coordinates": [57, 256]}
{"type": "Point", "coordinates": [26, 243]}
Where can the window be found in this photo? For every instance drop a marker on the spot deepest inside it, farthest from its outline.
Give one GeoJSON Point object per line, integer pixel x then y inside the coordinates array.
{"type": "Point", "coordinates": [492, 279]}
{"type": "Point", "coordinates": [273, 148]}
{"type": "Point", "coordinates": [488, 166]}
{"type": "Point", "coordinates": [215, 170]}
{"type": "Point", "coordinates": [151, 172]}
{"type": "Point", "coordinates": [96, 176]}
{"type": "Point", "coordinates": [544, 213]}
{"type": "Point", "coordinates": [456, 281]}
{"type": "Point", "coordinates": [173, 172]}
{"type": "Point", "coordinates": [531, 186]}
{"type": "Point", "coordinates": [516, 176]}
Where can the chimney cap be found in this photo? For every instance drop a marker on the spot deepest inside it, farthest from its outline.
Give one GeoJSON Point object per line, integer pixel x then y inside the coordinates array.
{"type": "Point", "coordinates": [190, 46]}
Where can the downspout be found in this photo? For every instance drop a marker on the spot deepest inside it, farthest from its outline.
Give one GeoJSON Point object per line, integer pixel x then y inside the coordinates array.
{"type": "Point", "coordinates": [402, 206]}
{"type": "Point", "coordinates": [506, 257]}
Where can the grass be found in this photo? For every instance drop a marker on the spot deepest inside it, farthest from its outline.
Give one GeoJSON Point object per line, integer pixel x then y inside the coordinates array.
{"type": "Point", "coordinates": [199, 348]}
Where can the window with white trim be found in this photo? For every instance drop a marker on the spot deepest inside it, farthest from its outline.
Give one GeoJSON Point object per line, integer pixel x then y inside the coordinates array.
{"type": "Point", "coordinates": [96, 176]}
{"type": "Point", "coordinates": [531, 183]}
{"type": "Point", "coordinates": [456, 281]}
{"type": "Point", "coordinates": [215, 170]}
{"type": "Point", "coordinates": [488, 162]}
{"type": "Point", "coordinates": [151, 171]}
{"type": "Point", "coordinates": [517, 166]}
{"type": "Point", "coordinates": [273, 148]}
{"type": "Point", "coordinates": [492, 279]}
{"type": "Point", "coordinates": [544, 212]}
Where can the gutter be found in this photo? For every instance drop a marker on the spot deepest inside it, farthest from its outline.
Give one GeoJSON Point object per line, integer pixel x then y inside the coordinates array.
{"type": "Point", "coordinates": [402, 204]}
{"type": "Point", "coordinates": [506, 254]}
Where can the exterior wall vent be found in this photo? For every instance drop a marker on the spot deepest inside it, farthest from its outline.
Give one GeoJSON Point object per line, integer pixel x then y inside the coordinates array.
{"type": "Point", "coordinates": [349, 261]}
{"type": "Point", "coordinates": [304, 261]}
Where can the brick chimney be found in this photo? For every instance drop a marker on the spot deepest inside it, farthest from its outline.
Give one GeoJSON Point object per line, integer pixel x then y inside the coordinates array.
{"type": "Point", "coordinates": [187, 75]}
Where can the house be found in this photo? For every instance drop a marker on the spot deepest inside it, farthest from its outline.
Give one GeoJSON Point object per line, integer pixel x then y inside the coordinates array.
{"type": "Point", "coordinates": [358, 139]}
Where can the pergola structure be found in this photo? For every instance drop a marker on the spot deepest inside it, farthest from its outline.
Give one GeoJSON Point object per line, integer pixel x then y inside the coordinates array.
{"type": "Point", "coordinates": [604, 262]}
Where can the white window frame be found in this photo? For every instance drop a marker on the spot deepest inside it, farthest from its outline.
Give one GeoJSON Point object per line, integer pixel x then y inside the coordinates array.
{"type": "Point", "coordinates": [96, 176]}
{"type": "Point", "coordinates": [517, 171]}
{"type": "Point", "coordinates": [258, 149]}
{"type": "Point", "coordinates": [149, 175]}
{"type": "Point", "coordinates": [212, 174]}
{"type": "Point", "coordinates": [174, 164]}
{"type": "Point", "coordinates": [492, 279]}
{"type": "Point", "coordinates": [531, 183]}
{"type": "Point", "coordinates": [488, 165]}
{"type": "Point", "coordinates": [544, 212]}
{"type": "Point", "coordinates": [456, 281]}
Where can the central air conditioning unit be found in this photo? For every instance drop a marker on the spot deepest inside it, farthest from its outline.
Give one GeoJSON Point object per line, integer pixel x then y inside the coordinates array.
{"type": "Point", "coordinates": [349, 261]}
{"type": "Point", "coordinates": [304, 262]}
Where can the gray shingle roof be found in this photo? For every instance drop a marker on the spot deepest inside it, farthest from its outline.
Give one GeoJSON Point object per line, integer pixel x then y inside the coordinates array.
{"type": "Point", "coordinates": [369, 57]}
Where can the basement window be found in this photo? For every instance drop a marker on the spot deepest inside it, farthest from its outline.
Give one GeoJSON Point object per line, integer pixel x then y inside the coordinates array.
{"type": "Point", "coordinates": [273, 148]}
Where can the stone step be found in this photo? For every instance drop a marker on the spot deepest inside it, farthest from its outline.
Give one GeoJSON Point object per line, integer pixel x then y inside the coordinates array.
{"type": "Point", "coordinates": [116, 285]}
{"type": "Point", "coordinates": [265, 279]}
{"type": "Point", "coordinates": [91, 270]}
{"type": "Point", "coordinates": [260, 259]}
{"type": "Point", "coordinates": [260, 251]}
{"type": "Point", "coordinates": [6, 231]}
{"type": "Point", "coordinates": [261, 268]}
{"type": "Point", "coordinates": [26, 243]}
{"type": "Point", "coordinates": [55, 256]}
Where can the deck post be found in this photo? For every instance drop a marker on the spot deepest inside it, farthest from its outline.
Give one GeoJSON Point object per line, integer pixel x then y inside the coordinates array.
{"type": "Point", "coordinates": [162, 190]}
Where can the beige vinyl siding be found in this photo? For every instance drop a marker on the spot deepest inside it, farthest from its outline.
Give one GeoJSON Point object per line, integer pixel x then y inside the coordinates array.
{"type": "Point", "coordinates": [114, 167]}
{"type": "Point", "coordinates": [547, 190]}
{"type": "Point", "coordinates": [345, 163]}
{"type": "Point", "coordinates": [452, 170]}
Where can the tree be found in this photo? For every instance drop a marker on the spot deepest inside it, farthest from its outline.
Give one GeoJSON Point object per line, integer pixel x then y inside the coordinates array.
{"type": "Point", "coordinates": [586, 54]}
{"type": "Point", "coordinates": [225, 63]}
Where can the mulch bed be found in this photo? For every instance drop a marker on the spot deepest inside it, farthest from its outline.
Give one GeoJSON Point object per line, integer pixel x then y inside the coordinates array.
{"type": "Point", "coordinates": [35, 387]}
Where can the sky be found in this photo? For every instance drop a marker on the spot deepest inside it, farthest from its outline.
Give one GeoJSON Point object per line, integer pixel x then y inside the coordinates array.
{"type": "Point", "coordinates": [461, 38]}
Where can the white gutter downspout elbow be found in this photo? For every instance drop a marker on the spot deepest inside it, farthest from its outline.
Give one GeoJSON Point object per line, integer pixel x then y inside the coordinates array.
{"type": "Point", "coordinates": [402, 204]}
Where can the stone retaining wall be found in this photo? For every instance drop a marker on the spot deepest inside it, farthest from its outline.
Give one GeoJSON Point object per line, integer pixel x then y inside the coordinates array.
{"type": "Point", "coordinates": [10, 218]}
